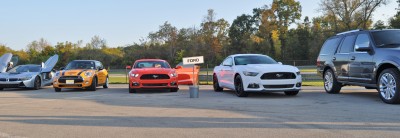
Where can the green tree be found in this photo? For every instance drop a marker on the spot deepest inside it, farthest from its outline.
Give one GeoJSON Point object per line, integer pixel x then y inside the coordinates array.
{"type": "Point", "coordinates": [379, 25]}
{"type": "Point", "coordinates": [394, 22]}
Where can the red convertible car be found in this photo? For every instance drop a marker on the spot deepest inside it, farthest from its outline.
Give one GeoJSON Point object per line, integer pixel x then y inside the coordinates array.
{"type": "Point", "coordinates": [152, 74]}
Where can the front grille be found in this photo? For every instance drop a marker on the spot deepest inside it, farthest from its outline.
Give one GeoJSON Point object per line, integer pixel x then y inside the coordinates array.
{"type": "Point", "coordinates": [13, 79]}
{"type": "Point", "coordinates": [279, 86]}
{"type": "Point", "coordinates": [12, 85]}
{"type": "Point", "coordinates": [278, 76]}
{"type": "Point", "coordinates": [156, 84]}
{"type": "Point", "coordinates": [154, 76]}
{"type": "Point", "coordinates": [10, 79]}
{"type": "Point", "coordinates": [70, 85]}
{"type": "Point", "coordinates": [77, 79]}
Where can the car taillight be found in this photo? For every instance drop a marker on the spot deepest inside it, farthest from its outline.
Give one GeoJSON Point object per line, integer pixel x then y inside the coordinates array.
{"type": "Point", "coordinates": [318, 62]}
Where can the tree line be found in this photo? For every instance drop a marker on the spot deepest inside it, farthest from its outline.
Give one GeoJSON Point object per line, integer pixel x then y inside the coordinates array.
{"type": "Point", "coordinates": [275, 29]}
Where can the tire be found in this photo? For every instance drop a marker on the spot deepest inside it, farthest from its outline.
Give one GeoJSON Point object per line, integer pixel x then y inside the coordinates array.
{"type": "Point", "coordinates": [174, 90]}
{"type": "Point", "coordinates": [1, 89]}
{"type": "Point", "coordinates": [132, 90]}
{"type": "Point", "coordinates": [331, 85]}
{"type": "Point", "coordinates": [93, 87]}
{"type": "Point", "coordinates": [291, 93]}
{"type": "Point", "coordinates": [106, 84]}
{"type": "Point", "coordinates": [57, 89]}
{"type": "Point", "coordinates": [37, 84]}
{"type": "Point", "coordinates": [239, 87]}
{"type": "Point", "coordinates": [388, 82]}
{"type": "Point", "coordinates": [216, 84]}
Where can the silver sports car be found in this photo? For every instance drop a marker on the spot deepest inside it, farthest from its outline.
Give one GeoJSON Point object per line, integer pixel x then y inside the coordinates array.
{"type": "Point", "coordinates": [26, 76]}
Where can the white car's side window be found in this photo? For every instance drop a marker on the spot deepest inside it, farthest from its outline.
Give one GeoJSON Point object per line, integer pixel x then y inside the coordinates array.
{"type": "Point", "coordinates": [227, 62]}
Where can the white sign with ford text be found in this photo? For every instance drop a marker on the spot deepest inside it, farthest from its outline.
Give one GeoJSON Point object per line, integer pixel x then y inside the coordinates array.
{"type": "Point", "coordinates": [193, 60]}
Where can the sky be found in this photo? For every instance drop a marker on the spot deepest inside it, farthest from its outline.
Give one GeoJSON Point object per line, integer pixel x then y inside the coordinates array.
{"type": "Point", "coordinates": [121, 22]}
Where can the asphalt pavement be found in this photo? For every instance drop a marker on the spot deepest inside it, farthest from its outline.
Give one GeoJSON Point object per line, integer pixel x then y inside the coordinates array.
{"type": "Point", "coordinates": [113, 112]}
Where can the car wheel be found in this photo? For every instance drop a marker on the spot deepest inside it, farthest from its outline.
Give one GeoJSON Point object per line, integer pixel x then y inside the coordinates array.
{"type": "Point", "coordinates": [57, 89]}
{"type": "Point", "coordinates": [94, 85]}
{"type": "Point", "coordinates": [216, 84]}
{"type": "Point", "coordinates": [106, 84]}
{"type": "Point", "coordinates": [331, 85]}
{"type": "Point", "coordinates": [131, 90]}
{"type": "Point", "coordinates": [388, 82]}
{"type": "Point", "coordinates": [239, 87]}
{"type": "Point", "coordinates": [291, 93]}
{"type": "Point", "coordinates": [174, 90]}
{"type": "Point", "coordinates": [1, 89]}
{"type": "Point", "coordinates": [37, 84]}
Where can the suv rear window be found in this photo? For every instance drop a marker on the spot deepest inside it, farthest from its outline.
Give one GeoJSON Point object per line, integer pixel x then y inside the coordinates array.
{"type": "Point", "coordinates": [330, 46]}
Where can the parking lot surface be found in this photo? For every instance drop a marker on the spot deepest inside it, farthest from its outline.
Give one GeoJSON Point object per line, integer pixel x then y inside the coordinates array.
{"type": "Point", "coordinates": [113, 112]}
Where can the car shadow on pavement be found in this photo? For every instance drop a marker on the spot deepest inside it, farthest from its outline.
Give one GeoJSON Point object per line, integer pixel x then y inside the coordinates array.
{"type": "Point", "coordinates": [192, 122]}
{"type": "Point", "coordinates": [260, 95]}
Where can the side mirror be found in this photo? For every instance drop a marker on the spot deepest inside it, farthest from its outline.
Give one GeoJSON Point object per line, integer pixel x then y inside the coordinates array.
{"type": "Point", "coordinates": [363, 49]}
{"type": "Point", "coordinates": [280, 63]}
{"type": "Point", "coordinates": [128, 67]}
{"type": "Point", "coordinates": [62, 68]}
{"type": "Point", "coordinates": [178, 67]}
{"type": "Point", "coordinates": [101, 68]}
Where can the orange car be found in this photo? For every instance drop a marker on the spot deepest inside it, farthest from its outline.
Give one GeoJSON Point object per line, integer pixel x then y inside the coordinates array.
{"type": "Point", "coordinates": [86, 74]}
{"type": "Point", "coordinates": [152, 74]}
{"type": "Point", "coordinates": [185, 74]}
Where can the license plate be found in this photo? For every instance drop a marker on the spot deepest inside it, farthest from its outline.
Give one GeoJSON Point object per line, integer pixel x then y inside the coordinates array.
{"type": "Point", "coordinates": [70, 82]}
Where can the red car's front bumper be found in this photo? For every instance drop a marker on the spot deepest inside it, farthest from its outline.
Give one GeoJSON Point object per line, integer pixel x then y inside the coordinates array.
{"type": "Point", "coordinates": [153, 84]}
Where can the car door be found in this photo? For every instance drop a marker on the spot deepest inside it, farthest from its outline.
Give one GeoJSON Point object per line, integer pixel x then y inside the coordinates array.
{"type": "Point", "coordinates": [4, 60]}
{"type": "Point", "coordinates": [229, 73]}
{"type": "Point", "coordinates": [50, 63]}
{"type": "Point", "coordinates": [222, 72]}
{"type": "Point", "coordinates": [341, 58]}
{"type": "Point", "coordinates": [101, 72]}
{"type": "Point", "coordinates": [361, 63]}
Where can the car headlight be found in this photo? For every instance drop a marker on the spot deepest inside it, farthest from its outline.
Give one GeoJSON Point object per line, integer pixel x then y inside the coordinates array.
{"type": "Point", "coordinates": [248, 73]}
{"type": "Point", "coordinates": [298, 73]}
{"type": "Point", "coordinates": [88, 74]}
{"type": "Point", "coordinates": [134, 75]}
{"type": "Point", "coordinates": [26, 78]}
{"type": "Point", "coordinates": [174, 75]}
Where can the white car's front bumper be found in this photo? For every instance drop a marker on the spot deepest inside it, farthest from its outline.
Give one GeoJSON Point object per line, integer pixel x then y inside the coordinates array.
{"type": "Point", "coordinates": [256, 84]}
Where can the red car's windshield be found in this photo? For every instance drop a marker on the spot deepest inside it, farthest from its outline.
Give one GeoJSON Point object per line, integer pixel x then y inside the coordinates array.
{"type": "Point", "coordinates": [151, 64]}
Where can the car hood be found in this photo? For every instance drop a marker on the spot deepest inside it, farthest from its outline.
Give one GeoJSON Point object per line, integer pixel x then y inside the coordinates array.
{"type": "Point", "coordinates": [74, 72]}
{"type": "Point", "coordinates": [153, 71]}
{"type": "Point", "coordinates": [267, 68]}
{"type": "Point", "coordinates": [18, 75]}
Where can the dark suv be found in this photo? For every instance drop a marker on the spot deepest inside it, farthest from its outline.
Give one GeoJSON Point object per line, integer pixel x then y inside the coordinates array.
{"type": "Point", "coordinates": [369, 58]}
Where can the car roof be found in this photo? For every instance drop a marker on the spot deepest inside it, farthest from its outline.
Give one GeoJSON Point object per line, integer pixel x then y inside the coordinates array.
{"type": "Point", "coordinates": [361, 31]}
{"type": "Point", "coordinates": [235, 55]}
{"type": "Point", "coordinates": [86, 60]}
{"type": "Point", "coordinates": [30, 65]}
{"type": "Point", "coordinates": [150, 60]}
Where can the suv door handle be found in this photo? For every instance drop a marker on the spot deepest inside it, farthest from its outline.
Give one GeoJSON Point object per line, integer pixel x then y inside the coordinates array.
{"type": "Point", "coordinates": [353, 58]}
{"type": "Point", "coordinates": [334, 58]}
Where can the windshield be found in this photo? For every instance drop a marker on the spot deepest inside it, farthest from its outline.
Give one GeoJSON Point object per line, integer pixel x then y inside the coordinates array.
{"type": "Point", "coordinates": [151, 64]}
{"type": "Point", "coordinates": [244, 60]}
{"type": "Point", "coordinates": [25, 68]}
{"type": "Point", "coordinates": [80, 65]}
{"type": "Point", "coordinates": [386, 38]}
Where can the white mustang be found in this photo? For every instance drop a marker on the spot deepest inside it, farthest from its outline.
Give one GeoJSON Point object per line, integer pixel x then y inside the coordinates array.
{"type": "Point", "coordinates": [246, 73]}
